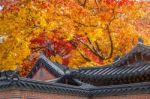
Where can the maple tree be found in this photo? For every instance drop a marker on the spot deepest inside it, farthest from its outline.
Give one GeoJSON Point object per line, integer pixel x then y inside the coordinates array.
{"type": "Point", "coordinates": [118, 20]}
{"type": "Point", "coordinates": [73, 32]}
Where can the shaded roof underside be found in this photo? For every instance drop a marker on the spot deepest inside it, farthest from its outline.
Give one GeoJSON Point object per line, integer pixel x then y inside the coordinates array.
{"type": "Point", "coordinates": [27, 84]}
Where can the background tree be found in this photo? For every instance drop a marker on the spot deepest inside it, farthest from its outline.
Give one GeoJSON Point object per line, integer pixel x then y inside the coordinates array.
{"type": "Point", "coordinates": [73, 32]}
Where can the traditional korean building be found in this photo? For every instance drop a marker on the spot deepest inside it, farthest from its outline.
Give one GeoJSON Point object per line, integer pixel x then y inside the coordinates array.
{"type": "Point", "coordinates": [127, 78]}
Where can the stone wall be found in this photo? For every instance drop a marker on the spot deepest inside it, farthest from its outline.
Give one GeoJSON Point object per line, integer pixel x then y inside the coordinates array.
{"type": "Point", "coordinates": [14, 94]}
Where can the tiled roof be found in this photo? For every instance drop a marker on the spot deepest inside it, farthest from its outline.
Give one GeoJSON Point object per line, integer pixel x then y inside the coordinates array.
{"type": "Point", "coordinates": [51, 87]}
{"type": "Point", "coordinates": [53, 67]}
{"type": "Point", "coordinates": [99, 81]}
{"type": "Point", "coordinates": [6, 73]}
{"type": "Point", "coordinates": [139, 48]}
{"type": "Point", "coordinates": [84, 90]}
{"type": "Point", "coordinates": [114, 75]}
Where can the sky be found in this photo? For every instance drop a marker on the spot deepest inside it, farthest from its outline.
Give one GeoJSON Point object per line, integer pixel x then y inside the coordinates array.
{"type": "Point", "coordinates": [1, 7]}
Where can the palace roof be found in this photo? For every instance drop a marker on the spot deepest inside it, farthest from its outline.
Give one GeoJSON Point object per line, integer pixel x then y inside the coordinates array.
{"type": "Point", "coordinates": [53, 67]}
{"type": "Point", "coordinates": [140, 48]}
{"type": "Point", "coordinates": [117, 78]}
{"type": "Point", "coordinates": [111, 75]}
{"type": "Point", "coordinates": [82, 90]}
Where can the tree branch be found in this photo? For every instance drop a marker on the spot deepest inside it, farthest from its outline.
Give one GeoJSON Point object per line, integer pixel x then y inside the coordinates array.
{"type": "Point", "coordinates": [98, 52]}
{"type": "Point", "coordinates": [93, 50]}
{"type": "Point", "coordinates": [97, 5]}
{"type": "Point", "coordinates": [109, 34]}
{"type": "Point", "coordinates": [84, 56]}
{"type": "Point", "coordinates": [84, 4]}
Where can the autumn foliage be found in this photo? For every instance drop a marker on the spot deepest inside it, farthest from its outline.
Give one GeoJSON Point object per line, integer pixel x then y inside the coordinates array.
{"type": "Point", "coordinates": [72, 32]}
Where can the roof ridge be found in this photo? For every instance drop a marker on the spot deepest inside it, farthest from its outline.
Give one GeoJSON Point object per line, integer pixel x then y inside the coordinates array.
{"type": "Point", "coordinates": [42, 56]}
{"type": "Point", "coordinates": [54, 67]}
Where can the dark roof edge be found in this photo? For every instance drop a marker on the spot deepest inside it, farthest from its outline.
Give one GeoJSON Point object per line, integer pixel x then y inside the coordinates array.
{"type": "Point", "coordinates": [26, 84]}
{"type": "Point", "coordinates": [124, 89]}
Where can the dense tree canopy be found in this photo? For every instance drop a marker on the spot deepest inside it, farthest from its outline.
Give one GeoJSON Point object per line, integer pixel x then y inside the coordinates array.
{"type": "Point", "coordinates": [73, 32]}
